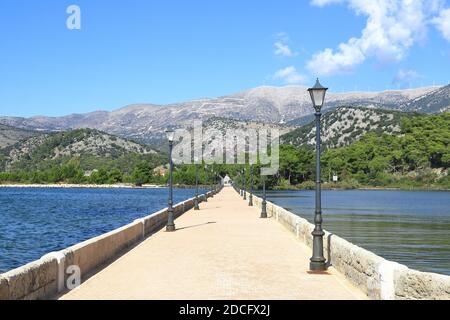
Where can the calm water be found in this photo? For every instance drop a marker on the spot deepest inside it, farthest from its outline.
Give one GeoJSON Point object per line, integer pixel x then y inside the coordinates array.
{"type": "Point", "coordinates": [34, 222]}
{"type": "Point", "coordinates": [410, 227]}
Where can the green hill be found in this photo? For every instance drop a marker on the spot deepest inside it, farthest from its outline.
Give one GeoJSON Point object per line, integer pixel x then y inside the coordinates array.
{"type": "Point", "coordinates": [85, 151]}
{"type": "Point", "coordinates": [418, 156]}
{"type": "Point", "coordinates": [346, 125]}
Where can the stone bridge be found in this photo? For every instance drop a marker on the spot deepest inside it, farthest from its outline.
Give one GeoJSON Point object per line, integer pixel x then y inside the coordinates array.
{"type": "Point", "coordinates": [223, 251]}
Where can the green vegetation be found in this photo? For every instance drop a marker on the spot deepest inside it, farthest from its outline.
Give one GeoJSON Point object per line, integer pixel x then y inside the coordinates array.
{"type": "Point", "coordinates": [72, 172]}
{"type": "Point", "coordinates": [78, 156]}
{"type": "Point", "coordinates": [417, 157]}
{"type": "Point", "coordinates": [411, 159]}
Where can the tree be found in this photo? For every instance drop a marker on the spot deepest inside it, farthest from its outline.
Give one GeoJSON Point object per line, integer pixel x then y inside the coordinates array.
{"type": "Point", "coordinates": [142, 173]}
{"type": "Point", "coordinates": [289, 162]}
{"type": "Point", "coordinates": [99, 177]}
{"type": "Point", "coordinates": [72, 172]}
{"type": "Point", "coordinates": [115, 176]}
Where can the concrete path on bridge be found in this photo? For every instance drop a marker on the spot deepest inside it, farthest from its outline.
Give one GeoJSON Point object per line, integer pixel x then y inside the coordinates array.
{"type": "Point", "coordinates": [224, 251]}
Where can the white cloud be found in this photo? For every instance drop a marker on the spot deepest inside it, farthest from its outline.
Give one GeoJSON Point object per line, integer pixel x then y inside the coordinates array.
{"type": "Point", "coordinates": [442, 23]}
{"type": "Point", "coordinates": [405, 77]}
{"type": "Point", "coordinates": [281, 46]}
{"type": "Point", "coordinates": [290, 75]}
{"type": "Point", "coordinates": [282, 49]}
{"type": "Point", "coordinates": [392, 28]}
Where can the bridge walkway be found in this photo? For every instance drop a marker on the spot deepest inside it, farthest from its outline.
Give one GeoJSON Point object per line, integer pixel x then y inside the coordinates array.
{"type": "Point", "coordinates": [223, 251]}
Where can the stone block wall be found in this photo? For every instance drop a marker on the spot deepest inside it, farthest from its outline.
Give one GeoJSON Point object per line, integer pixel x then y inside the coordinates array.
{"type": "Point", "coordinates": [32, 281]}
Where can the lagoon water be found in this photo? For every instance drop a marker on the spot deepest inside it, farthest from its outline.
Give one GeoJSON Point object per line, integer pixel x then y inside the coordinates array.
{"type": "Point", "coordinates": [409, 227]}
{"type": "Point", "coordinates": [36, 221]}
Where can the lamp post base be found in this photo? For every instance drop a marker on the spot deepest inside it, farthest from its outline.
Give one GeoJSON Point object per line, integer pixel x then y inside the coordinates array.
{"type": "Point", "coordinates": [170, 228]}
{"type": "Point", "coordinates": [250, 201]}
{"type": "Point", "coordinates": [318, 261]}
{"type": "Point", "coordinates": [264, 211]}
{"type": "Point", "coordinates": [196, 207]}
{"type": "Point", "coordinates": [318, 266]}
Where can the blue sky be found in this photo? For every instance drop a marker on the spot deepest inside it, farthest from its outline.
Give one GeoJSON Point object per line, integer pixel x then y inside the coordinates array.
{"type": "Point", "coordinates": [144, 51]}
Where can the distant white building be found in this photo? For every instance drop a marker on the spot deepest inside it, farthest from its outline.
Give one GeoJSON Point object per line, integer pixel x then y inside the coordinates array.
{"type": "Point", "coordinates": [227, 182]}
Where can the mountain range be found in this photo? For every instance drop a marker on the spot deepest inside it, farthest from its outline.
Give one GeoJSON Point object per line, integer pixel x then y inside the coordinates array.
{"type": "Point", "coordinates": [146, 123]}
{"type": "Point", "coordinates": [432, 102]}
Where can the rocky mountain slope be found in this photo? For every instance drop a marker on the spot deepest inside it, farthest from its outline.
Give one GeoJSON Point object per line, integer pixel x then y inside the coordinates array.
{"type": "Point", "coordinates": [346, 125]}
{"type": "Point", "coordinates": [435, 101]}
{"type": "Point", "coordinates": [10, 135]}
{"type": "Point", "coordinates": [225, 124]}
{"type": "Point", "coordinates": [54, 148]}
{"type": "Point", "coordinates": [275, 105]}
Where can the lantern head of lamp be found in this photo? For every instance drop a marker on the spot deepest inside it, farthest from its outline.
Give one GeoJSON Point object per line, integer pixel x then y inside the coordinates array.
{"type": "Point", "coordinates": [170, 135]}
{"type": "Point", "coordinates": [317, 95]}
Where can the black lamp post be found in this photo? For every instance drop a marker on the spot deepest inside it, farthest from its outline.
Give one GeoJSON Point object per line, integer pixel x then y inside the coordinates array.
{"type": "Point", "coordinates": [206, 180]}
{"type": "Point", "coordinates": [250, 200]}
{"type": "Point", "coordinates": [211, 182]}
{"type": "Point", "coordinates": [238, 183]}
{"type": "Point", "coordinates": [264, 202]}
{"type": "Point", "coordinates": [241, 182]}
{"type": "Point", "coordinates": [318, 260]}
{"type": "Point", "coordinates": [214, 182]}
{"type": "Point", "coordinates": [196, 207]}
{"type": "Point", "coordinates": [245, 182]}
{"type": "Point", "coordinates": [170, 220]}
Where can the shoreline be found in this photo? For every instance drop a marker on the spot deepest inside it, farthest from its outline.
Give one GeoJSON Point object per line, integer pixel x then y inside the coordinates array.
{"type": "Point", "coordinates": [366, 189]}
{"type": "Point", "coordinates": [94, 186]}
{"type": "Point", "coordinates": [155, 186]}
{"type": "Point", "coordinates": [81, 186]}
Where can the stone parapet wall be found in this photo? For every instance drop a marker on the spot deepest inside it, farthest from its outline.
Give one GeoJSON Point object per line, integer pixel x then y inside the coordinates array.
{"type": "Point", "coordinates": [33, 281]}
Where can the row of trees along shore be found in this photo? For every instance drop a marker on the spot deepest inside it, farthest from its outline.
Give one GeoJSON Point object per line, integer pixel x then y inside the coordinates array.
{"type": "Point", "coordinates": [417, 157]}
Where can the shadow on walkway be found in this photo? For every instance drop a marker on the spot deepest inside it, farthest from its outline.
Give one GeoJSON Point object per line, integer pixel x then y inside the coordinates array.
{"type": "Point", "coordinates": [197, 225]}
